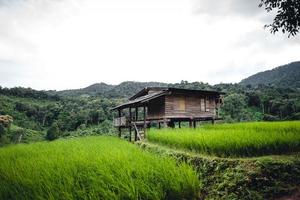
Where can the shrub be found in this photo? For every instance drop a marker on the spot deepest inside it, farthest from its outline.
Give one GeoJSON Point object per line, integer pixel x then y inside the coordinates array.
{"type": "Point", "coordinates": [53, 132]}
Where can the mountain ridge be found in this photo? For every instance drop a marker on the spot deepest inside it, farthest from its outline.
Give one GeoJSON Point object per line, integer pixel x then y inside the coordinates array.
{"type": "Point", "coordinates": [284, 76]}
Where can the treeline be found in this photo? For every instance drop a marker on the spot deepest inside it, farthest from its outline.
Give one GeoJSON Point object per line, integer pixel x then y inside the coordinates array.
{"type": "Point", "coordinates": [28, 93]}
{"type": "Point", "coordinates": [257, 103]}
{"type": "Point", "coordinates": [43, 110]}
{"type": "Point", "coordinates": [38, 110]}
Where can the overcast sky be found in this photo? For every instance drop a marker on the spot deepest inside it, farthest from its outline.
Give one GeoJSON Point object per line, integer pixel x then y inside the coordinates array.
{"type": "Point", "coordinates": [63, 44]}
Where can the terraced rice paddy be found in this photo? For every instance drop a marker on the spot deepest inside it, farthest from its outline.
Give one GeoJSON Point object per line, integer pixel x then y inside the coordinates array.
{"type": "Point", "coordinates": [92, 168]}
{"type": "Point", "coordinates": [233, 140]}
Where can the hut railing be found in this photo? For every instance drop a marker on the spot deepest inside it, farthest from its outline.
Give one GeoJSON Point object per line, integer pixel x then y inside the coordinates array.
{"type": "Point", "coordinates": [121, 121]}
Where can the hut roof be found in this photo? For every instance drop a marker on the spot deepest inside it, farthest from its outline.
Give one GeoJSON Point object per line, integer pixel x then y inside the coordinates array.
{"type": "Point", "coordinates": [142, 96]}
{"type": "Point", "coordinates": [180, 90]}
{"type": "Point", "coordinates": [142, 99]}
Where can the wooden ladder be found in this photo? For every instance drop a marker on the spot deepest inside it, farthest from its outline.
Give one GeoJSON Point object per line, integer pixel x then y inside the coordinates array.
{"type": "Point", "coordinates": [139, 134]}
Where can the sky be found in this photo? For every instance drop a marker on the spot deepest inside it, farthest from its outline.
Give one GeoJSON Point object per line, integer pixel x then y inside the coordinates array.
{"type": "Point", "coordinates": [68, 44]}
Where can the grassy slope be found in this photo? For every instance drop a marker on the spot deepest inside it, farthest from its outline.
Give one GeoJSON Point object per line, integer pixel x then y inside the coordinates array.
{"type": "Point", "coordinates": [265, 177]}
{"type": "Point", "coordinates": [92, 168]}
{"type": "Point", "coordinates": [235, 140]}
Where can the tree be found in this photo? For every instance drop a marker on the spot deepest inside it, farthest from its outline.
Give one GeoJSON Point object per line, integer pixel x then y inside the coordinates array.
{"type": "Point", "coordinates": [234, 107]}
{"type": "Point", "coordinates": [287, 18]}
{"type": "Point", "coordinates": [53, 132]}
{"type": "Point", "coordinates": [2, 130]}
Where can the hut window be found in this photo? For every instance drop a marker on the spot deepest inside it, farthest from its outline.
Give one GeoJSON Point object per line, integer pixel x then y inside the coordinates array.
{"type": "Point", "coordinates": [207, 105]}
{"type": "Point", "coordinates": [179, 103]}
{"type": "Point", "coordinates": [202, 104]}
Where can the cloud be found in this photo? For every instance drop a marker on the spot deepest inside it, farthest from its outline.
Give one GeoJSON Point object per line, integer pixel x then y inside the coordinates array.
{"type": "Point", "coordinates": [60, 44]}
{"type": "Point", "coordinates": [232, 8]}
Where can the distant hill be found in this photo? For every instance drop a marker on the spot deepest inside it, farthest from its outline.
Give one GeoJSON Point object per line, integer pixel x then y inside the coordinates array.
{"type": "Point", "coordinates": [282, 76]}
{"type": "Point", "coordinates": [129, 88]}
{"type": "Point", "coordinates": [95, 89]}
{"type": "Point", "coordinates": [124, 89]}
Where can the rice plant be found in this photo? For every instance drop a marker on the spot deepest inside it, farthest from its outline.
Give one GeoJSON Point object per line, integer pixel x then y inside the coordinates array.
{"type": "Point", "coordinates": [92, 168]}
{"type": "Point", "coordinates": [233, 140]}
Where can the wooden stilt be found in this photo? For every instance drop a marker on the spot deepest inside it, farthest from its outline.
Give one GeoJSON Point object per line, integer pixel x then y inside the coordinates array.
{"type": "Point", "coordinates": [136, 119]}
{"type": "Point", "coordinates": [179, 124]}
{"type": "Point", "coordinates": [145, 125]}
{"type": "Point", "coordinates": [194, 123]}
{"type": "Point", "coordinates": [136, 113]}
{"type": "Point", "coordinates": [130, 125]}
{"type": "Point", "coordinates": [190, 124]}
{"type": "Point", "coordinates": [120, 131]}
{"type": "Point", "coordinates": [119, 114]}
{"type": "Point", "coordinates": [165, 123]}
{"type": "Point", "coordinates": [158, 125]}
{"type": "Point", "coordinates": [172, 124]}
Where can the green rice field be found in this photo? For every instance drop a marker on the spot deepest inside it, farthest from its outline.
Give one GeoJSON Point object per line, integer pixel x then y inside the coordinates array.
{"type": "Point", "coordinates": [233, 140]}
{"type": "Point", "coordinates": [92, 168]}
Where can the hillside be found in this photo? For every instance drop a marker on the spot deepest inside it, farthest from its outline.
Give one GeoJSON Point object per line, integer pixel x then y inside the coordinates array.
{"type": "Point", "coordinates": [95, 89]}
{"type": "Point", "coordinates": [282, 76]}
{"type": "Point", "coordinates": [125, 89]}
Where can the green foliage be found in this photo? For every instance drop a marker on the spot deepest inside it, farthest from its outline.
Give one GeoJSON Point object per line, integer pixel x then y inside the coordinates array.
{"type": "Point", "coordinates": [234, 107]}
{"type": "Point", "coordinates": [2, 130]}
{"type": "Point", "coordinates": [287, 18]}
{"type": "Point", "coordinates": [53, 132]}
{"type": "Point", "coordinates": [273, 95]}
{"type": "Point", "coordinates": [286, 76]}
{"type": "Point", "coordinates": [28, 135]}
{"type": "Point", "coordinates": [94, 168]}
{"type": "Point", "coordinates": [233, 140]}
{"type": "Point", "coordinates": [104, 128]}
{"type": "Point", "coordinates": [268, 177]}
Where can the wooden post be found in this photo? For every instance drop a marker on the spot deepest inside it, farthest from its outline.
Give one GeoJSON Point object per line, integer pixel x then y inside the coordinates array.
{"type": "Point", "coordinates": [190, 123]}
{"type": "Point", "coordinates": [136, 113]}
{"type": "Point", "coordinates": [213, 121]}
{"type": "Point", "coordinates": [172, 124]}
{"type": "Point", "coordinates": [194, 123]}
{"type": "Point", "coordinates": [158, 125]}
{"type": "Point", "coordinates": [179, 124]}
{"type": "Point", "coordinates": [136, 119]}
{"type": "Point", "coordinates": [145, 125]}
{"type": "Point", "coordinates": [119, 114]}
{"type": "Point", "coordinates": [130, 125]}
{"type": "Point", "coordinates": [165, 123]}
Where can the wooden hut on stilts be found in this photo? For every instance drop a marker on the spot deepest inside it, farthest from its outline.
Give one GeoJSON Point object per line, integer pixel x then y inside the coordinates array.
{"type": "Point", "coordinates": [165, 107]}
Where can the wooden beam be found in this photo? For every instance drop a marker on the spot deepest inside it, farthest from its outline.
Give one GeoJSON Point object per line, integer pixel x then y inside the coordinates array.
{"type": "Point", "coordinates": [120, 131]}
{"type": "Point", "coordinates": [165, 123]}
{"type": "Point", "coordinates": [145, 125]}
{"type": "Point", "coordinates": [130, 125]}
{"type": "Point", "coordinates": [136, 119]}
{"type": "Point", "coordinates": [136, 113]}
{"type": "Point", "coordinates": [119, 114]}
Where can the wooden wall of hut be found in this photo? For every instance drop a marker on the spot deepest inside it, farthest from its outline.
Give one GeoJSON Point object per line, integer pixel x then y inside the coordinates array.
{"type": "Point", "coordinates": [189, 106]}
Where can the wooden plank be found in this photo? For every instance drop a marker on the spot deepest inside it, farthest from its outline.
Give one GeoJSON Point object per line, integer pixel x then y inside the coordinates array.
{"type": "Point", "coordinates": [136, 113]}
{"type": "Point", "coordinates": [145, 125]}
{"type": "Point", "coordinates": [195, 106]}
{"type": "Point", "coordinates": [130, 117]}
{"type": "Point", "coordinates": [120, 129]}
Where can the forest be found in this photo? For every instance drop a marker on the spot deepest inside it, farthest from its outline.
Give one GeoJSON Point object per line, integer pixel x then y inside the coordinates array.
{"type": "Point", "coordinates": [52, 114]}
